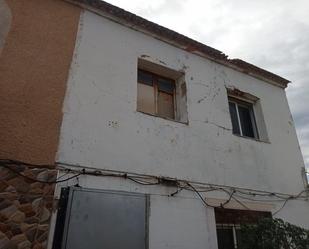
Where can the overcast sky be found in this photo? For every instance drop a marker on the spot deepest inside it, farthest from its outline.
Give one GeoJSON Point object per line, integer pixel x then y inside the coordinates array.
{"type": "Point", "coordinates": [271, 34]}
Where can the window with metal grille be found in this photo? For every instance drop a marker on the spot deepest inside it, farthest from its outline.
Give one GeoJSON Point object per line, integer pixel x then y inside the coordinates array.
{"type": "Point", "coordinates": [155, 95]}
{"type": "Point", "coordinates": [228, 236]}
{"type": "Point", "coordinates": [229, 222]}
{"type": "Point", "coordinates": [243, 119]}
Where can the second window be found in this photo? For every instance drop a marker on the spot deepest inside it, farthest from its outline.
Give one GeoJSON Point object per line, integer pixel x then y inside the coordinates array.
{"type": "Point", "coordinates": [242, 117]}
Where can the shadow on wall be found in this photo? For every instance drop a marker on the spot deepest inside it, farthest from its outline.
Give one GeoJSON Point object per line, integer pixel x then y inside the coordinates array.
{"type": "Point", "coordinates": [5, 22]}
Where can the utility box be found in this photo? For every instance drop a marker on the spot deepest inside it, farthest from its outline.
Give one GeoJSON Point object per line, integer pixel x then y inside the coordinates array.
{"type": "Point", "coordinates": [96, 219]}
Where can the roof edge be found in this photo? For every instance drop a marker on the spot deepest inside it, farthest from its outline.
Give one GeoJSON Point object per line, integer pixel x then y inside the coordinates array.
{"type": "Point", "coordinates": [175, 39]}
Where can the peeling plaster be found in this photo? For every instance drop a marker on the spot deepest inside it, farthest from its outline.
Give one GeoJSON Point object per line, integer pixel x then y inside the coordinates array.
{"type": "Point", "coordinates": [203, 150]}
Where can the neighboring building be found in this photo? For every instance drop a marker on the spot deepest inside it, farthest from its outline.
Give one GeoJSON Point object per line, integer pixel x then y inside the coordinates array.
{"type": "Point", "coordinates": [37, 40]}
{"type": "Point", "coordinates": [164, 141]}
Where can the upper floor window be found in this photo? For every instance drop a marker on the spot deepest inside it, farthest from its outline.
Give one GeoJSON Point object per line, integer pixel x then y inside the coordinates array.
{"type": "Point", "coordinates": [243, 119]}
{"type": "Point", "coordinates": [155, 95]}
{"type": "Point", "coordinates": [161, 91]}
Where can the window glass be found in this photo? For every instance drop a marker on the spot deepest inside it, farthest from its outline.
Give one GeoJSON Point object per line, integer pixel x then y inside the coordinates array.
{"type": "Point", "coordinates": [225, 238]}
{"type": "Point", "coordinates": [166, 85]}
{"type": "Point", "coordinates": [105, 219]}
{"type": "Point", "coordinates": [242, 117]}
{"type": "Point", "coordinates": [165, 105]}
{"type": "Point", "coordinates": [246, 121]}
{"type": "Point", "coordinates": [145, 98]}
{"type": "Point", "coordinates": [234, 118]}
{"type": "Point", "coordinates": [238, 237]}
{"type": "Point", "coordinates": [155, 95]}
{"type": "Point", "coordinates": [229, 222]}
{"type": "Point", "coordinates": [145, 78]}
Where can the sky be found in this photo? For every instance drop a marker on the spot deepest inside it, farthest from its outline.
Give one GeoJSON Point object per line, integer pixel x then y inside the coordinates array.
{"type": "Point", "coordinates": [273, 35]}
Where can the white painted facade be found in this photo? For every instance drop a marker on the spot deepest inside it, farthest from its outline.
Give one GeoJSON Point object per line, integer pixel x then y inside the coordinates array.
{"type": "Point", "coordinates": [101, 129]}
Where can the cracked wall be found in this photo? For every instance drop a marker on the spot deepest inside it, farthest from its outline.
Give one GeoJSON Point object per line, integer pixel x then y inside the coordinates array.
{"type": "Point", "coordinates": [102, 129]}
{"type": "Point", "coordinates": [102, 89]}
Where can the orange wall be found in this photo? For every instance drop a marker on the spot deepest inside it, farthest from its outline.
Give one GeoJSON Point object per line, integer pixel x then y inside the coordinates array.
{"type": "Point", "coordinates": [34, 67]}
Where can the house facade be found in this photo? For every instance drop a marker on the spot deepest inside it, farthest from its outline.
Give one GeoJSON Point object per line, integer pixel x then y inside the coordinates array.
{"type": "Point", "coordinates": [162, 142]}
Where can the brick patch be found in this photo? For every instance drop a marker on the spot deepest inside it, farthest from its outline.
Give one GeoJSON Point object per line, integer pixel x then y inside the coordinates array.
{"type": "Point", "coordinates": [25, 207]}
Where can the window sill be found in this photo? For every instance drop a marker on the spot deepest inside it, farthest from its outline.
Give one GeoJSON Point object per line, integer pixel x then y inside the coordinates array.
{"type": "Point", "coordinates": [253, 139]}
{"type": "Point", "coordinates": [168, 119]}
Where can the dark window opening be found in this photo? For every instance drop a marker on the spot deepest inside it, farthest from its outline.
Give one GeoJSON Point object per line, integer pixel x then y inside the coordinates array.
{"type": "Point", "coordinates": [60, 221]}
{"type": "Point", "coordinates": [225, 236]}
{"type": "Point", "coordinates": [229, 222]}
{"type": "Point", "coordinates": [243, 119]}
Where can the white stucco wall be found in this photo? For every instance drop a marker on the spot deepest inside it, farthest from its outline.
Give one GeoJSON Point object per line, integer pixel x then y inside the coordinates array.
{"type": "Point", "coordinates": [102, 129]}
{"type": "Point", "coordinates": [178, 222]}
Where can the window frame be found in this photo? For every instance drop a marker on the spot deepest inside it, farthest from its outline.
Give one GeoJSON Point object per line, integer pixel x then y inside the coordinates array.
{"type": "Point", "coordinates": [230, 218]}
{"type": "Point", "coordinates": [233, 227]}
{"type": "Point", "coordinates": [155, 85]}
{"type": "Point", "coordinates": [67, 199]}
{"type": "Point", "coordinates": [250, 106]}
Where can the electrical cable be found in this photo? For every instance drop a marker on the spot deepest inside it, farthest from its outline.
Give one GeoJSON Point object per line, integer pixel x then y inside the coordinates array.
{"type": "Point", "coordinates": [179, 189]}
{"type": "Point", "coordinates": [37, 180]}
{"type": "Point", "coordinates": [201, 197]}
{"type": "Point", "coordinates": [198, 188]}
{"type": "Point", "coordinates": [60, 177]}
{"type": "Point", "coordinates": [203, 187]}
{"type": "Point", "coordinates": [16, 162]}
{"type": "Point", "coordinates": [142, 182]}
{"type": "Point", "coordinates": [209, 205]}
{"type": "Point", "coordinates": [285, 202]}
{"type": "Point", "coordinates": [258, 200]}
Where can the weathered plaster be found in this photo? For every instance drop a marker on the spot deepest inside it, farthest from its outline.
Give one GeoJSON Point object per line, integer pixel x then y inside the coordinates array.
{"type": "Point", "coordinates": [34, 67]}
{"type": "Point", "coordinates": [102, 91]}
{"type": "Point", "coordinates": [102, 129]}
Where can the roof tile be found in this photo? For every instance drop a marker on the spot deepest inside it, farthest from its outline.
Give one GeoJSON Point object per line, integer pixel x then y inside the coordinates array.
{"type": "Point", "coordinates": [179, 40]}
